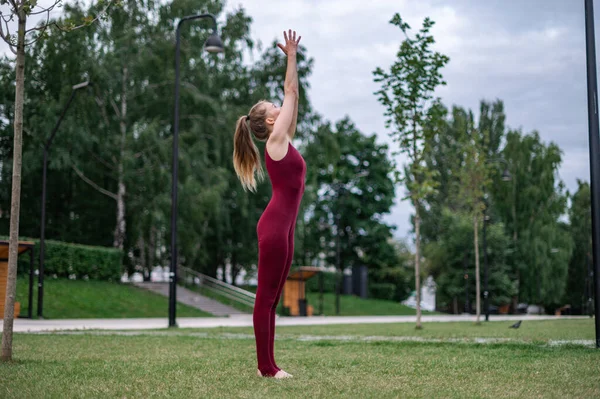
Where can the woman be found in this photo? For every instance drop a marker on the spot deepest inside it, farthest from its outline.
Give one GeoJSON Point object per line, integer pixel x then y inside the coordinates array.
{"type": "Point", "coordinates": [275, 229]}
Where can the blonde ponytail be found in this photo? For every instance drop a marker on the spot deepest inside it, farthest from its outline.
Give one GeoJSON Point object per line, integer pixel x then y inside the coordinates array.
{"type": "Point", "coordinates": [246, 158]}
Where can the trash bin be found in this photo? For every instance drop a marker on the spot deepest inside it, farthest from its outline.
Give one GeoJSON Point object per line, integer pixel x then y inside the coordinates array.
{"type": "Point", "coordinates": [302, 303]}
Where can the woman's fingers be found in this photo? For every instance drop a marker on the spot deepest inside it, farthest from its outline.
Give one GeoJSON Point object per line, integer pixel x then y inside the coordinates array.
{"type": "Point", "coordinates": [298, 41]}
{"type": "Point", "coordinates": [285, 37]}
{"type": "Point", "coordinates": [282, 48]}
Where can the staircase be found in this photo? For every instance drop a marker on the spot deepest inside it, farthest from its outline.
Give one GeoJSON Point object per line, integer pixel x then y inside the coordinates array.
{"type": "Point", "coordinates": [191, 298]}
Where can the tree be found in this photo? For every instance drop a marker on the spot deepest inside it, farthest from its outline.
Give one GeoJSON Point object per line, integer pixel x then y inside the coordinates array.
{"type": "Point", "coordinates": [349, 175]}
{"type": "Point", "coordinates": [20, 10]}
{"type": "Point", "coordinates": [449, 257]}
{"type": "Point", "coordinates": [580, 219]}
{"type": "Point", "coordinates": [531, 206]}
{"type": "Point", "coordinates": [463, 155]}
{"type": "Point", "coordinates": [473, 178]}
{"type": "Point", "coordinates": [407, 95]}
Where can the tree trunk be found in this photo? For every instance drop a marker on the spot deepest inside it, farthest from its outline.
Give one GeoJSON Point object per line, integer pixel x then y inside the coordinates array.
{"type": "Point", "coordinates": [141, 244]}
{"type": "Point", "coordinates": [120, 227]}
{"type": "Point", "coordinates": [477, 278]}
{"type": "Point", "coordinates": [418, 264]}
{"type": "Point", "coordinates": [151, 251]}
{"type": "Point", "coordinates": [13, 253]}
{"type": "Point", "coordinates": [455, 306]}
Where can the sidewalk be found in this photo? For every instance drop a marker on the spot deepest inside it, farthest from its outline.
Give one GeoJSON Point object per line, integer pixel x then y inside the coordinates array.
{"type": "Point", "coordinates": [26, 325]}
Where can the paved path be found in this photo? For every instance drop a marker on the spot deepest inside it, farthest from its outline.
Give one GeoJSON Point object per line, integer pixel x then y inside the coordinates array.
{"type": "Point", "coordinates": [191, 298]}
{"type": "Point", "coordinates": [26, 325]}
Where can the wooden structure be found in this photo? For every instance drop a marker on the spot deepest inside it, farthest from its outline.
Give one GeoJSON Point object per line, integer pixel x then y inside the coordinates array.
{"type": "Point", "coordinates": [294, 295]}
{"type": "Point", "coordinates": [23, 247]}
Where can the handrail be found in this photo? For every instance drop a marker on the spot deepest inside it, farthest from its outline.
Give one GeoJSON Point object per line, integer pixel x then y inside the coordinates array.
{"type": "Point", "coordinates": [235, 293]}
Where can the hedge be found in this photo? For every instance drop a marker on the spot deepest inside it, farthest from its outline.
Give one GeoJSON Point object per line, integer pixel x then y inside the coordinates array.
{"type": "Point", "coordinates": [312, 285]}
{"type": "Point", "coordinates": [385, 291]}
{"type": "Point", "coordinates": [63, 259]}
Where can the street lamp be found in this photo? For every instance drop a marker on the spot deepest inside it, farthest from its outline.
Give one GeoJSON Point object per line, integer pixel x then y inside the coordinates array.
{"type": "Point", "coordinates": [213, 45]}
{"type": "Point", "coordinates": [592, 92]}
{"type": "Point", "coordinates": [40, 306]}
{"type": "Point", "coordinates": [486, 295]}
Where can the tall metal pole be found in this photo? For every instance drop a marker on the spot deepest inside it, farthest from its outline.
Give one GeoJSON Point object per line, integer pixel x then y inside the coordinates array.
{"type": "Point", "coordinates": [594, 154]}
{"type": "Point", "coordinates": [40, 305]}
{"type": "Point", "coordinates": [175, 171]}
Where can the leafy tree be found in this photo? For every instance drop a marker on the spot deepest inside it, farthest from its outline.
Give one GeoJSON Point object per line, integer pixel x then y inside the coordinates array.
{"type": "Point", "coordinates": [580, 218]}
{"type": "Point", "coordinates": [350, 177]}
{"type": "Point", "coordinates": [407, 95]}
{"type": "Point", "coordinates": [19, 11]}
{"type": "Point", "coordinates": [530, 207]}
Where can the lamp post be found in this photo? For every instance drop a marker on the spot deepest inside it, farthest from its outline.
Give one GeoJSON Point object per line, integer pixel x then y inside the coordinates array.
{"type": "Point", "coordinates": [486, 297]}
{"type": "Point", "coordinates": [40, 305]}
{"type": "Point", "coordinates": [213, 45]}
{"type": "Point", "coordinates": [592, 94]}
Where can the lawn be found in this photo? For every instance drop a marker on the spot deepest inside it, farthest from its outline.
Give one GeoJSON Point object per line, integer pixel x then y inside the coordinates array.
{"type": "Point", "coordinates": [354, 306]}
{"type": "Point", "coordinates": [220, 363]}
{"type": "Point", "coordinates": [77, 299]}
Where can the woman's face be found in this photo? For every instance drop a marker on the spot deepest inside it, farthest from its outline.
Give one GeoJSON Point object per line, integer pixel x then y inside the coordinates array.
{"type": "Point", "coordinates": [272, 111]}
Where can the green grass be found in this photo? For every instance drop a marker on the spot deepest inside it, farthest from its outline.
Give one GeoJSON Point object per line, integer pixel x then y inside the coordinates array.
{"type": "Point", "coordinates": [77, 299]}
{"type": "Point", "coordinates": [218, 365]}
{"type": "Point", "coordinates": [354, 306]}
{"type": "Point", "coordinates": [539, 331]}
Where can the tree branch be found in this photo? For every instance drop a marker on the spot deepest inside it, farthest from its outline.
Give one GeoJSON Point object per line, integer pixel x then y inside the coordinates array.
{"type": "Point", "coordinates": [91, 183]}
{"type": "Point", "coordinates": [115, 108]}
{"type": "Point", "coordinates": [87, 22]}
{"type": "Point", "coordinates": [102, 161]}
{"type": "Point", "coordinates": [47, 9]}
{"type": "Point", "coordinates": [41, 27]}
{"type": "Point", "coordinates": [103, 110]}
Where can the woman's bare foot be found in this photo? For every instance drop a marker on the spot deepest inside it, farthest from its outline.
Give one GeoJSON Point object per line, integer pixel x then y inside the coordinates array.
{"type": "Point", "coordinates": [279, 375]}
{"type": "Point", "coordinates": [282, 374]}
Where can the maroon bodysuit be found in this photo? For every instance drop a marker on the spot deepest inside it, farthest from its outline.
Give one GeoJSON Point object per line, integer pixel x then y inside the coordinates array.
{"type": "Point", "coordinates": [275, 231]}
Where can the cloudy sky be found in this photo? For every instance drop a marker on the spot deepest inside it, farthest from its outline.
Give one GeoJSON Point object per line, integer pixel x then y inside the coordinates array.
{"type": "Point", "coordinates": [529, 53]}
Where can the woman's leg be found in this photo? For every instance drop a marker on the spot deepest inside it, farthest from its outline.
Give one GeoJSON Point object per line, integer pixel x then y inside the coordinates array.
{"type": "Point", "coordinates": [288, 264]}
{"type": "Point", "coordinates": [272, 257]}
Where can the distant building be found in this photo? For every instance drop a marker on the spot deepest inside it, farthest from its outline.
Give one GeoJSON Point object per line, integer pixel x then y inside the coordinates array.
{"type": "Point", "coordinates": [428, 288]}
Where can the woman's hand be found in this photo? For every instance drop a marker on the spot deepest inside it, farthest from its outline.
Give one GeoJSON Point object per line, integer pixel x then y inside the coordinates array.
{"type": "Point", "coordinates": [291, 44]}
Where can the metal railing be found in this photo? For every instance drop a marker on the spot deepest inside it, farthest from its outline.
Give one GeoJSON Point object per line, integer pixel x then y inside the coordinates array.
{"type": "Point", "coordinates": [191, 277]}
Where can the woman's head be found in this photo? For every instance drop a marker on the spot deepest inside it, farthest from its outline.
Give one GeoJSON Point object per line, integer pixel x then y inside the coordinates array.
{"type": "Point", "coordinates": [246, 159]}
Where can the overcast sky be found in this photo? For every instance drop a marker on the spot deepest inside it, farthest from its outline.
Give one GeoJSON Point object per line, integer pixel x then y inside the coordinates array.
{"type": "Point", "coordinates": [529, 53]}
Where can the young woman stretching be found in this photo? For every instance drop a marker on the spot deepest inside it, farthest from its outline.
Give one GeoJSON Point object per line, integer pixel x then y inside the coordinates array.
{"type": "Point", "coordinates": [275, 229]}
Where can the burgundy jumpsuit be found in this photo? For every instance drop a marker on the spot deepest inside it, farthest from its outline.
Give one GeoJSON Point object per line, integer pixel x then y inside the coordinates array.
{"type": "Point", "coordinates": [275, 231]}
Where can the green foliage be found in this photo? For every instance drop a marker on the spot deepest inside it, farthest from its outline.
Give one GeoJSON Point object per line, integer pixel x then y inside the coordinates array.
{"type": "Point", "coordinates": [579, 280]}
{"type": "Point", "coordinates": [451, 257]}
{"type": "Point", "coordinates": [349, 188]}
{"type": "Point", "coordinates": [65, 260]}
{"type": "Point", "coordinates": [407, 95]}
{"type": "Point", "coordinates": [129, 58]}
{"type": "Point", "coordinates": [530, 206]}
{"type": "Point", "coordinates": [385, 291]}
{"type": "Point", "coordinates": [329, 282]}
